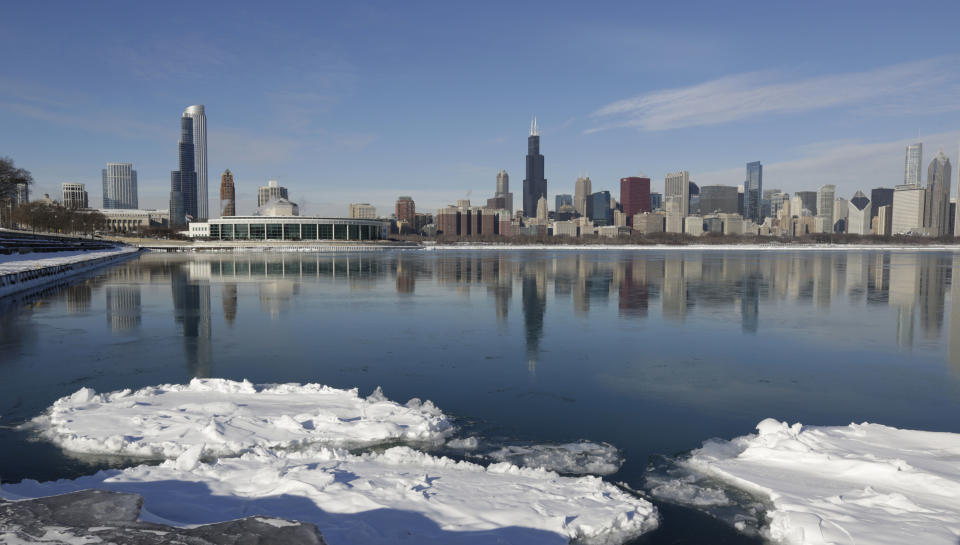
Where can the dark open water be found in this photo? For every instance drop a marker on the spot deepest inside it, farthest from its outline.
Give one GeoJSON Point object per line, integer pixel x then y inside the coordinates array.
{"type": "Point", "coordinates": [653, 351]}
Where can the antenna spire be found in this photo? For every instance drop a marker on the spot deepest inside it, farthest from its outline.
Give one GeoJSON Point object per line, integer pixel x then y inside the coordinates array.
{"type": "Point", "coordinates": [534, 130]}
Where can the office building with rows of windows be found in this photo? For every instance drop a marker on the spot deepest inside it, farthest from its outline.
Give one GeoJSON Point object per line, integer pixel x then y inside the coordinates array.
{"type": "Point", "coordinates": [296, 228]}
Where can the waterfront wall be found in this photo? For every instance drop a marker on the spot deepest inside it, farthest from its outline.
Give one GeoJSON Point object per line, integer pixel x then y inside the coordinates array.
{"type": "Point", "coordinates": [41, 275]}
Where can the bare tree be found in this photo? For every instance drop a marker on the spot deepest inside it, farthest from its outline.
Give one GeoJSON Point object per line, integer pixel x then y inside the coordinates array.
{"type": "Point", "coordinates": [11, 178]}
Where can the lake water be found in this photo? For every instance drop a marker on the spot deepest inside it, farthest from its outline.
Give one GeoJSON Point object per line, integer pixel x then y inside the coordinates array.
{"type": "Point", "coordinates": [653, 351]}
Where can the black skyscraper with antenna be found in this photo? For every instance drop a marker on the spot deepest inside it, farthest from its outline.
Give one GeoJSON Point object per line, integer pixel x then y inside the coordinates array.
{"type": "Point", "coordinates": [534, 185]}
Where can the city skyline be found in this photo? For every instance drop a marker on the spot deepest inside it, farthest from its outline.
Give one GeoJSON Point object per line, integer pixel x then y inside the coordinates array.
{"type": "Point", "coordinates": [642, 113]}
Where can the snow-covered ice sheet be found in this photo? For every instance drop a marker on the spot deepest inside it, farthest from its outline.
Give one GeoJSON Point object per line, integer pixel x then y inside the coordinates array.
{"type": "Point", "coordinates": [582, 458]}
{"type": "Point", "coordinates": [696, 247]}
{"type": "Point", "coordinates": [400, 495]}
{"type": "Point", "coordinates": [27, 262]}
{"type": "Point", "coordinates": [864, 483]}
{"type": "Point", "coordinates": [226, 418]}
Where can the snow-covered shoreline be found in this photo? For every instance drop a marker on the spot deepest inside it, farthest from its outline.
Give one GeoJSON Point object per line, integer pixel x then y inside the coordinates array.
{"type": "Point", "coordinates": [21, 272]}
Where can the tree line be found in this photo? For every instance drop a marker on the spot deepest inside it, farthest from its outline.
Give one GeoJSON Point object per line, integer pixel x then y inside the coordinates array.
{"type": "Point", "coordinates": [11, 178]}
{"type": "Point", "coordinates": [52, 217]}
{"type": "Point", "coordinates": [44, 216]}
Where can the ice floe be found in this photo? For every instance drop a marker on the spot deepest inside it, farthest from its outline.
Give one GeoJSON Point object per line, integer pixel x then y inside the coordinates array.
{"type": "Point", "coordinates": [399, 494]}
{"type": "Point", "coordinates": [218, 417]}
{"type": "Point", "coordinates": [582, 458]}
{"type": "Point", "coordinates": [862, 483]}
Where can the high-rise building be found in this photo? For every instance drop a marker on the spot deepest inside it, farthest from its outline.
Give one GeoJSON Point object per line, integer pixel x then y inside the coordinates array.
{"type": "Point", "coordinates": [677, 184]}
{"type": "Point", "coordinates": [634, 196]}
{"type": "Point", "coordinates": [840, 210]}
{"type": "Point", "coordinates": [503, 192]}
{"type": "Point", "coordinates": [598, 208]}
{"type": "Point", "coordinates": [656, 201]}
{"type": "Point", "coordinates": [913, 164]}
{"type": "Point", "coordinates": [673, 204]}
{"type": "Point", "coordinates": [858, 215]}
{"type": "Point", "coordinates": [119, 186]}
{"type": "Point", "coordinates": [362, 211]}
{"type": "Point", "coordinates": [718, 199]}
{"type": "Point", "coordinates": [564, 199]}
{"type": "Point", "coordinates": [542, 212]}
{"type": "Point", "coordinates": [273, 190]}
{"type": "Point", "coordinates": [808, 200]}
{"type": "Point", "coordinates": [825, 197]}
{"type": "Point", "coordinates": [936, 215]}
{"type": "Point", "coordinates": [534, 185]}
{"type": "Point", "coordinates": [407, 209]}
{"type": "Point", "coordinates": [880, 196]}
{"type": "Point", "coordinates": [74, 196]}
{"type": "Point", "coordinates": [21, 194]}
{"type": "Point", "coordinates": [582, 188]}
{"type": "Point", "coordinates": [228, 195]}
{"type": "Point", "coordinates": [908, 207]}
{"type": "Point", "coordinates": [199, 118]}
{"type": "Point", "coordinates": [753, 192]}
{"type": "Point", "coordinates": [183, 182]}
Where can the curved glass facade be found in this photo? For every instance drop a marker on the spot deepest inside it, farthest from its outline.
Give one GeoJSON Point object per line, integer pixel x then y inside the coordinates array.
{"type": "Point", "coordinates": [296, 228]}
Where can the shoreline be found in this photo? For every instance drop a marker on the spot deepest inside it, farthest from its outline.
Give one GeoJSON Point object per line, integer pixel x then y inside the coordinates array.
{"type": "Point", "coordinates": [20, 275]}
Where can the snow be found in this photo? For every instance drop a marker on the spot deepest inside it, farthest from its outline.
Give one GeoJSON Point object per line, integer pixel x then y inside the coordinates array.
{"type": "Point", "coordinates": [218, 417]}
{"type": "Point", "coordinates": [15, 263]}
{"type": "Point", "coordinates": [862, 483]}
{"type": "Point", "coordinates": [374, 498]}
{"type": "Point", "coordinates": [235, 449]}
{"type": "Point", "coordinates": [580, 458]}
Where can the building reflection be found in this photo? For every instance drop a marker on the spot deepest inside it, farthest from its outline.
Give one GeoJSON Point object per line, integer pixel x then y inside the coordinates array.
{"type": "Point", "coordinates": [191, 312]}
{"type": "Point", "coordinates": [228, 296]}
{"type": "Point", "coordinates": [123, 306]}
{"type": "Point", "coordinates": [910, 288]}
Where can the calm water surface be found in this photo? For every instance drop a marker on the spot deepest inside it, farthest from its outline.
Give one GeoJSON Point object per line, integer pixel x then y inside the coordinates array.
{"type": "Point", "coordinates": [653, 351]}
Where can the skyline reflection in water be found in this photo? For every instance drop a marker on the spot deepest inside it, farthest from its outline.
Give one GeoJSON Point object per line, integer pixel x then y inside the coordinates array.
{"type": "Point", "coordinates": [758, 289]}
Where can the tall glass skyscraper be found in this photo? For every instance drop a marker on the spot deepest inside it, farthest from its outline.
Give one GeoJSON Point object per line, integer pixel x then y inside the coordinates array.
{"type": "Point", "coordinates": [183, 182]}
{"type": "Point", "coordinates": [752, 192]}
{"type": "Point", "coordinates": [913, 164]}
{"type": "Point", "coordinates": [937, 212]}
{"type": "Point", "coordinates": [535, 185]}
{"type": "Point", "coordinates": [119, 186]}
{"type": "Point", "coordinates": [199, 118]}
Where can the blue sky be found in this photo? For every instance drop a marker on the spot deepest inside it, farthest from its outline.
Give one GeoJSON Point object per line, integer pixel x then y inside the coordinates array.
{"type": "Point", "coordinates": [362, 102]}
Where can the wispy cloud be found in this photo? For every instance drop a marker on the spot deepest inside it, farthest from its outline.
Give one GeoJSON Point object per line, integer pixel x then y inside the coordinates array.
{"type": "Point", "coordinates": [931, 85]}
{"type": "Point", "coordinates": [850, 165]}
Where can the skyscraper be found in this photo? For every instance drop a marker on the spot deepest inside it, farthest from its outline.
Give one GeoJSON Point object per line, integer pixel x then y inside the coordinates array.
{"type": "Point", "coordinates": [858, 215]}
{"type": "Point", "coordinates": [936, 215]}
{"type": "Point", "coordinates": [119, 186]}
{"type": "Point", "coordinates": [677, 184]}
{"type": "Point", "coordinates": [718, 199]}
{"type": "Point", "coordinates": [880, 196]}
{"type": "Point", "coordinates": [228, 195]}
{"type": "Point", "coordinates": [183, 182]}
{"type": "Point", "coordinates": [534, 185]}
{"type": "Point", "coordinates": [913, 164]}
{"type": "Point", "coordinates": [503, 190]}
{"type": "Point", "coordinates": [582, 188]}
{"type": "Point", "coordinates": [74, 196]}
{"type": "Point", "coordinates": [272, 191]}
{"type": "Point", "coordinates": [826, 195]}
{"type": "Point", "coordinates": [753, 192]}
{"type": "Point", "coordinates": [199, 119]}
{"type": "Point", "coordinates": [563, 199]}
{"type": "Point", "coordinates": [598, 208]}
{"type": "Point", "coordinates": [406, 210]}
{"type": "Point", "coordinates": [634, 196]}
